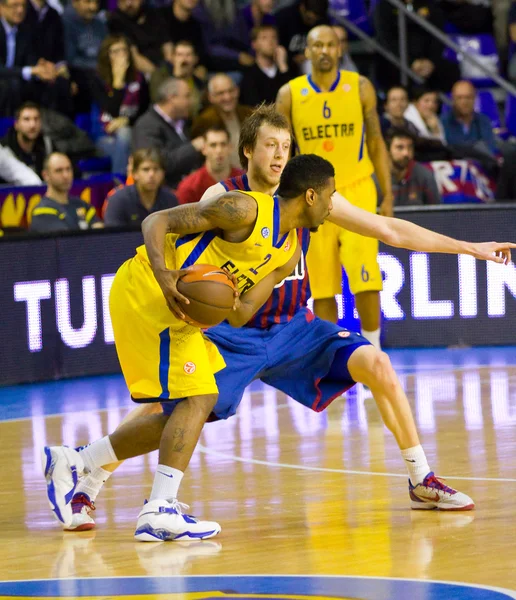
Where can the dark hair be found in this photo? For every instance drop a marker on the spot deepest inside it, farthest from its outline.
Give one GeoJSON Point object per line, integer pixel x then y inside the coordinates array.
{"type": "Point", "coordinates": [303, 172]}
{"type": "Point", "coordinates": [398, 132]}
{"type": "Point", "coordinates": [152, 154]}
{"type": "Point", "coordinates": [25, 106]}
{"type": "Point", "coordinates": [216, 128]}
{"type": "Point", "coordinates": [265, 114]}
{"type": "Point", "coordinates": [420, 91]}
{"type": "Point", "coordinates": [104, 63]}
{"type": "Point", "coordinates": [186, 43]}
{"type": "Point", "coordinates": [395, 87]}
{"type": "Point", "coordinates": [255, 31]}
{"type": "Point", "coordinates": [319, 7]}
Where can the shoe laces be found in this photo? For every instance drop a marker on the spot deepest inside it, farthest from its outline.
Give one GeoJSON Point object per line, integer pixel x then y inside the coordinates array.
{"type": "Point", "coordinates": [83, 500]}
{"type": "Point", "coordinates": [436, 483]}
{"type": "Point", "coordinates": [180, 507]}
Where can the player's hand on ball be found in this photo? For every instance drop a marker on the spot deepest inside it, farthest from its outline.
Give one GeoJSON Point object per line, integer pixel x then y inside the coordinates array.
{"type": "Point", "coordinates": [167, 280]}
{"type": "Point", "coordinates": [498, 252]}
{"type": "Point", "coordinates": [236, 293]}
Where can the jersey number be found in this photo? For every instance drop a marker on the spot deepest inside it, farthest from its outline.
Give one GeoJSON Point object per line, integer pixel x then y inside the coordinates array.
{"type": "Point", "coordinates": [266, 260]}
{"type": "Point", "coordinates": [365, 274]}
{"type": "Point", "coordinates": [326, 111]}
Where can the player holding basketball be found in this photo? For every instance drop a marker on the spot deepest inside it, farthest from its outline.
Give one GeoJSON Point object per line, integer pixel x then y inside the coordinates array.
{"type": "Point", "coordinates": [333, 114]}
{"type": "Point", "coordinates": [311, 359]}
{"type": "Point", "coordinates": [256, 233]}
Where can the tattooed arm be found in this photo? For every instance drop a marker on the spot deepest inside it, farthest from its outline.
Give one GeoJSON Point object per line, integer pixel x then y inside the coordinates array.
{"type": "Point", "coordinates": [229, 211]}
{"type": "Point", "coordinates": [376, 145]}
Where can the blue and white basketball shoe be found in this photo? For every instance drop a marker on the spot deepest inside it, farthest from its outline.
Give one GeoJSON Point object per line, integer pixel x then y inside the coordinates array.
{"type": "Point", "coordinates": [432, 493]}
{"type": "Point", "coordinates": [165, 521]}
{"type": "Point", "coordinates": [62, 467]}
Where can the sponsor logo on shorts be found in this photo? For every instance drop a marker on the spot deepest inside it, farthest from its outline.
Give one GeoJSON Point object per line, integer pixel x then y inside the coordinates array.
{"type": "Point", "coordinates": [266, 232]}
{"type": "Point", "coordinates": [344, 334]}
{"type": "Point", "coordinates": [189, 368]}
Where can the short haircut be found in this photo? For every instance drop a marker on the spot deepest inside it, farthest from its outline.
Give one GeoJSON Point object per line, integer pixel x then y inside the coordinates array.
{"type": "Point", "coordinates": [420, 91]}
{"type": "Point", "coordinates": [265, 114]}
{"type": "Point", "coordinates": [319, 7]}
{"type": "Point", "coordinates": [395, 87]}
{"type": "Point", "coordinates": [48, 158]}
{"type": "Point", "coordinates": [26, 106]}
{"type": "Point", "coordinates": [219, 76]}
{"type": "Point", "coordinates": [398, 132]}
{"type": "Point", "coordinates": [170, 87]}
{"type": "Point", "coordinates": [152, 154]}
{"type": "Point", "coordinates": [216, 128]}
{"type": "Point", "coordinates": [304, 172]}
{"type": "Point", "coordinates": [255, 31]}
{"type": "Point", "coordinates": [186, 43]}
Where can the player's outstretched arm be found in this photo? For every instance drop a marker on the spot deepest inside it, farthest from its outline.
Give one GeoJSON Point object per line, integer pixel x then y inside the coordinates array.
{"type": "Point", "coordinates": [403, 234]}
{"type": "Point", "coordinates": [229, 211]}
{"type": "Point", "coordinates": [257, 296]}
{"type": "Point", "coordinates": [284, 102]}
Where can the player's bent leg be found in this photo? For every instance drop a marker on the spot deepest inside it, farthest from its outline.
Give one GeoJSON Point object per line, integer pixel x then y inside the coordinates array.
{"type": "Point", "coordinates": [326, 308]}
{"type": "Point", "coordinates": [163, 517]}
{"type": "Point", "coordinates": [89, 486]}
{"type": "Point", "coordinates": [373, 368]}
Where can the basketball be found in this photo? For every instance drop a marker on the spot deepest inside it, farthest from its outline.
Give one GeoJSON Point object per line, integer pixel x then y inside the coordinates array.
{"type": "Point", "coordinates": [211, 294]}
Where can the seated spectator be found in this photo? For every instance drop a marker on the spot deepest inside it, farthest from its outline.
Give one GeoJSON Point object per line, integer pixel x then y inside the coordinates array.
{"type": "Point", "coordinates": [262, 81]}
{"type": "Point", "coordinates": [412, 183]}
{"type": "Point", "coordinates": [225, 110]}
{"type": "Point", "coordinates": [122, 95]}
{"type": "Point", "coordinates": [463, 126]}
{"type": "Point", "coordinates": [396, 103]}
{"type": "Point", "coordinates": [217, 167]}
{"type": "Point", "coordinates": [163, 127]}
{"type": "Point", "coordinates": [84, 31]}
{"type": "Point", "coordinates": [143, 26]}
{"type": "Point", "coordinates": [258, 13]}
{"type": "Point", "coordinates": [129, 205]}
{"type": "Point", "coordinates": [23, 74]}
{"type": "Point", "coordinates": [180, 24]}
{"type": "Point", "coordinates": [226, 36]}
{"type": "Point", "coordinates": [422, 113]}
{"type": "Point", "coordinates": [48, 33]}
{"type": "Point", "coordinates": [425, 52]}
{"type": "Point", "coordinates": [57, 210]}
{"type": "Point", "coordinates": [182, 66]}
{"type": "Point", "coordinates": [26, 140]}
{"type": "Point", "coordinates": [294, 22]}
{"type": "Point", "coordinates": [15, 172]}
{"type": "Point", "coordinates": [346, 62]}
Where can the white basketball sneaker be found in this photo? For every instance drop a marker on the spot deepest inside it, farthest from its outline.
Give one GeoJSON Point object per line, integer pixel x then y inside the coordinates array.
{"type": "Point", "coordinates": [433, 493]}
{"type": "Point", "coordinates": [162, 521]}
{"type": "Point", "coordinates": [82, 520]}
{"type": "Point", "coordinates": [62, 467]}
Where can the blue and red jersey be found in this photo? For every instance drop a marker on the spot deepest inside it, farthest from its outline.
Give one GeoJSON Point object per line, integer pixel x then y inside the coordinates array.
{"type": "Point", "coordinates": [292, 294]}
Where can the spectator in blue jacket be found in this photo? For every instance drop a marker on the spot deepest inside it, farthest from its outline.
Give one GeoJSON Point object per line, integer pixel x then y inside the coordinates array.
{"type": "Point", "coordinates": [463, 126]}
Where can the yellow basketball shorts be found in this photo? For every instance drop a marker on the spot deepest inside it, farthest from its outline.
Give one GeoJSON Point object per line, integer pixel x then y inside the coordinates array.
{"type": "Point", "coordinates": [333, 247]}
{"type": "Point", "coordinates": [161, 357]}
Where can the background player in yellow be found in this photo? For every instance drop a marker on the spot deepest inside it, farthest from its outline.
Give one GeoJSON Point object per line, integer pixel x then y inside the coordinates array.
{"type": "Point", "coordinates": [333, 114]}
{"type": "Point", "coordinates": [155, 344]}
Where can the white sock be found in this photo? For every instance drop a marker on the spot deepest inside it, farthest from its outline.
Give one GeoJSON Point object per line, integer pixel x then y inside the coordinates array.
{"type": "Point", "coordinates": [98, 454]}
{"type": "Point", "coordinates": [416, 462]}
{"type": "Point", "coordinates": [92, 483]}
{"type": "Point", "coordinates": [166, 483]}
{"type": "Point", "coordinates": [373, 337]}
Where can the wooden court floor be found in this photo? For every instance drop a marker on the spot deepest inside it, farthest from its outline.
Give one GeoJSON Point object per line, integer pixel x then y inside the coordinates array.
{"type": "Point", "coordinates": [297, 494]}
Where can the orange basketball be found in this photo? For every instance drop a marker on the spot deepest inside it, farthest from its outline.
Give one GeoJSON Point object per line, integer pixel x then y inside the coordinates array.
{"type": "Point", "coordinates": [211, 294]}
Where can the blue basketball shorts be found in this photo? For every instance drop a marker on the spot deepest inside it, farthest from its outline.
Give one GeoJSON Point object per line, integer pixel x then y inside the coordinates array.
{"type": "Point", "coordinates": [305, 358]}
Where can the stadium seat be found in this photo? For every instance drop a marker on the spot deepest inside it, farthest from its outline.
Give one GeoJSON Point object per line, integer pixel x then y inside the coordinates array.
{"type": "Point", "coordinates": [510, 115]}
{"type": "Point", "coordinates": [5, 124]}
{"type": "Point", "coordinates": [484, 48]}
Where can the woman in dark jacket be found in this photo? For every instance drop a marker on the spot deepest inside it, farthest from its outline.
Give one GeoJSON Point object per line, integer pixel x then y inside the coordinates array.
{"type": "Point", "coordinates": [122, 95]}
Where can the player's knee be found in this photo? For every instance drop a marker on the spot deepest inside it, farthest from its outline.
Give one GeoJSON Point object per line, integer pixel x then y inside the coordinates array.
{"type": "Point", "coordinates": [383, 370]}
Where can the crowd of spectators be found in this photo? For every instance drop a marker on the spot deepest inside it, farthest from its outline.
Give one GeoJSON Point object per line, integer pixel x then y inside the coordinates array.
{"type": "Point", "coordinates": [180, 76]}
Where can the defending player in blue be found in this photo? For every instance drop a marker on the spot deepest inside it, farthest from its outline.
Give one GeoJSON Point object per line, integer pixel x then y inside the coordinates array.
{"type": "Point", "coordinates": [287, 347]}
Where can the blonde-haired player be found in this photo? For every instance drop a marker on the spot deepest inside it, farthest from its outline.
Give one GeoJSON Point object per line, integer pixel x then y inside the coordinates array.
{"type": "Point", "coordinates": [333, 114]}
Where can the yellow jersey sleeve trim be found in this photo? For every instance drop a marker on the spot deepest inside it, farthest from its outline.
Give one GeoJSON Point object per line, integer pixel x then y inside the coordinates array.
{"type": "Point", "coordinates": [90, 214]}
{"type": "Point", "coordinates": [45, 211]}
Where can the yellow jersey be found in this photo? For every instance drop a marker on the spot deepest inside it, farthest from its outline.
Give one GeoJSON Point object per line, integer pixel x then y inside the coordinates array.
{"type": "Point", "coordinates": [331, 125]}
{"type": "Point", "coordinates": [250, 261]}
